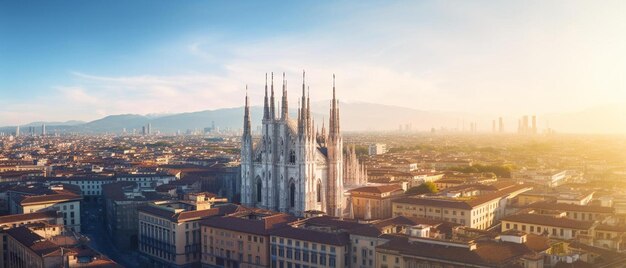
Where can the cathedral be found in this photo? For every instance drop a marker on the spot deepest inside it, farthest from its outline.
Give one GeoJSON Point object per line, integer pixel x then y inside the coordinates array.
{"type": "Point", "coordinates": [293, 168]}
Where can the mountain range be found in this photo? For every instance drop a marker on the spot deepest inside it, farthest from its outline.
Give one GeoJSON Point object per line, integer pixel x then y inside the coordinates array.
{"type": "Point", "coordinates": [354, 117]}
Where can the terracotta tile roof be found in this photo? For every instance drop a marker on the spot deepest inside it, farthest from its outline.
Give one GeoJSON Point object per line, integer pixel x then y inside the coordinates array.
{"type": "Point", "coordinates": [571, 207]}
{"type": "Point", "coordinates": [460, 203]}
{"type": "Point", "coordinates": [403, 220]}
{"type": "Point", "coordinates": [487, 253]}
{"type": "Point", "coordinates": [188, 215]}
{"type": "Point", "coordinates": [329, 238]}
{"type": "Point", "coordinates": [29, 216]}
{"type": "Point", "coordinates": [36, 243]}
{"type": "Point", "coordinates": [39, 199]}
{"type": "Point", "coordinates": [610, 228]}
{"type": "Point", "coordinates": [377, 189]}
{"type": "Point", "coordinates": [337, 223]}
{"type": "Point", "coordinates": [252, 226]}
{"type": "Point", "coordinates": [549, 221]}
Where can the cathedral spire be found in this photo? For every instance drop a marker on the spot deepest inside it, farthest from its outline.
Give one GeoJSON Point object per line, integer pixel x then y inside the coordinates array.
{"type": "Point", "coordinates": [334, 114]}
{"type": "Point", "coordinates": [266, 109]}
{"type": "Point", "coordinates": [284, 106]}
{"type": "Point", "coordinates": [308, 110]}
{"type": "Point", "coordinates": [272, 108]}
{"type": "Point", "coordinates": [246, 117]}
{"type": "Point", "coordinates": [303, 101]}
{"type": "Point", "coordinates": [299, 121]}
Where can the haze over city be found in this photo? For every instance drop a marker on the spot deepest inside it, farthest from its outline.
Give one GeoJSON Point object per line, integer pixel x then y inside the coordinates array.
{"type": "Point", "coordinates": [476, 60]}
{"type": "Point", "coordinates": [312, 134]}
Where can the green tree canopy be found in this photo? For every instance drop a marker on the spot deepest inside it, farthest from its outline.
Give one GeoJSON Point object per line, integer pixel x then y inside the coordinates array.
{"type": "Point", "coordinates": [424, 188]}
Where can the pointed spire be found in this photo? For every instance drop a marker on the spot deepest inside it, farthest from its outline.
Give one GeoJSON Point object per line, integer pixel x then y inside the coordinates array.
{"type": "Point", "coordinates": [266, 109]}
{"type": "Point", "coordinates": [303, 108]}
{"type": "Point", "coordinates": [333, 86]}
{"type": "Point", "coordinates": [284, 106]}
{"type": "Point", "coordinates": [246, 116]}
{"type": "Point", "coordinates": [334, 114]}
{"type": "Point", "coordinates": [308, 107]}
{"type": "Point", "coordinates": [272, 108]}
{"type": "Point", "coordinates": [299, 121]}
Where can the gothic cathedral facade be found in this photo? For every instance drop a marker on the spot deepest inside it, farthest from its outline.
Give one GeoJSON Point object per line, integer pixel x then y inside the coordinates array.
{"type": "Point", "coordinates": [292, 168]}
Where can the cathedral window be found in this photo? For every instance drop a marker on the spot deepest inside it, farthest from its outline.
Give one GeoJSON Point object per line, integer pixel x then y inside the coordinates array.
{"type": "Point", "coordinates": [259, 190]}
{"type": "Point", "coordinates": [319, 191]}
{"type": "Point", "coordinates": [292, 194]}
{"type": "Point", "coordinates": [292, 157]}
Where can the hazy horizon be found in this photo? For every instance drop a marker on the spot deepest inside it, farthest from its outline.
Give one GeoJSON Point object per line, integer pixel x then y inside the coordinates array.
{"type": "Point", "coordinates": [75, 60]}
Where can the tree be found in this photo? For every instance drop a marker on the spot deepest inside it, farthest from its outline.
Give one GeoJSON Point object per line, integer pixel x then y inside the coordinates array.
{"type": "Point", "coordinates": [425, 188]}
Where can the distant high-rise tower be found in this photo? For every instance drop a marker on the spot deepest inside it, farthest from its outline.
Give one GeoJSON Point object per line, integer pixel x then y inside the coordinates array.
{"type": "Point", "coordinates": [149, 129]}
{"type": "Point", "coordinates": [17, 131]}
{"type": "Point", "coordinates": [525, 124]}
{"type": "Point", "coordinates": [43, 130]}
{"type": "Point", "coordinates": [501, 125]}
{"type": "Point", "coordinates": [534, 129]}
{"type": "Point", "coordinates": [143, 130]}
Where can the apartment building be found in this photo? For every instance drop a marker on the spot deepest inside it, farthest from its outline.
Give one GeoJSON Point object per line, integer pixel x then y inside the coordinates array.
{"type": "Point", "coordinates": [574, 211]}
{"type": "Point", "coordinates": [374, 202]}
{"type": "Point", "coordinates": [43, 246]}
{"type": "Point", "coordinates": [557, 226]}
{"type": "Point", "coordinates": [478, 211]}
{"type": "Point", "coordinates": [121, 200]}
{"type": "Point", "coordinates": [241, 239]}
{"type": "Point", "coordinates": [13, 221]}
{"type": "Point", "coordinates": [425, 246]}
{"type": "Point", "coordinates": [169, 231]}
{"type": "Point", "coordinates": [38, 198]}
{"type": "Point", "coordinates": [365, 238]}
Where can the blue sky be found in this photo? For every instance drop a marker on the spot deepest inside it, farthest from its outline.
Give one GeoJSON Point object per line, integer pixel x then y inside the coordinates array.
{"type": "Point", "coordinates": [62, 60]}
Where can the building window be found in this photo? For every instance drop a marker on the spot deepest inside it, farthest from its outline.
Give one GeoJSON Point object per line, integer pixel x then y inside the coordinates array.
{"type": "Point", "coordinates": [319, 191]}
{"type": "Point", "coordinates": [292, 157]}
{"type": "Point", "coordinates": [259, 190]}
{"type": "Point", "coordinates": [292, 194]}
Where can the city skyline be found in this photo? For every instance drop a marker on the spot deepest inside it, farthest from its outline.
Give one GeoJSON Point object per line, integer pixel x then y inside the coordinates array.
{"type": "Point", "coordinates": [496, 59]}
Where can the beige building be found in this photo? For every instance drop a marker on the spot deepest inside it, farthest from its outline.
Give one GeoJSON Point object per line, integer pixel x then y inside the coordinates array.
{"type": "Point", "coordinates": [364, 239]}
{"type": "Point", "coordinates": [374, 202]}
{"type": "Point", "coordinates": [573, 211]}
{"type": "Point", "coordinates": [25, 249]}
{"type": "Point", "coordinates": [241, 239]}
{"type": "Point", "coordinates": [553, 226]}
{"type": "Point", "coordinates": [43, 246]}
{"type": "Point", "coordinates": [479, 211]}
{"type": "Point", "coordinates": [32, 199]}
{"type": "Point", "coordinates": [427, 245]}
{"type": "Point", "coordinates": [295, 246]}
{"type": "Point", "coordinates": [14, 221]}
{"type": "Point", "coordinates": [169, 231]}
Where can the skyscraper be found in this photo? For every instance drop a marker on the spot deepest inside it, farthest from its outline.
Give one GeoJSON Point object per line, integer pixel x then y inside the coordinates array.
{"type": "Point", "coordinates": [17, 131]}
{"type": "Point", "coordinates": [525, 124]}
{"type": "Point", "coordinates": [534, 128]}
{"type": "Point", "coordinates": [43, 130]}
{"type": "Point", "coordinates": [501, 125]}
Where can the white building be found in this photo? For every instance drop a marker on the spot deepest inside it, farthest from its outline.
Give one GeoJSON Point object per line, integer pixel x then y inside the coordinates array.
{"type": "Point", "coordinates": [377, 148]}
{"type": "Point", "coordinates": [290, 168]}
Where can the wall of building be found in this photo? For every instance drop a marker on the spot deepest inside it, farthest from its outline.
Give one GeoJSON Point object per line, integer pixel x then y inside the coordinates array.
{"type": "Point", "coordinates": [226, 248]}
